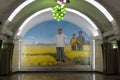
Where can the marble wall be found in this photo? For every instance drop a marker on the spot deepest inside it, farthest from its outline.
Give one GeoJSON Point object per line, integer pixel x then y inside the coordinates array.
{"type": "Point", "coordinates": [98, 56]}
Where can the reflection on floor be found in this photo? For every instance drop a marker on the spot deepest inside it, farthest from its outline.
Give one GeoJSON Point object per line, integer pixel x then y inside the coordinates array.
{"type": "Point", "coordinates": [60, 76]}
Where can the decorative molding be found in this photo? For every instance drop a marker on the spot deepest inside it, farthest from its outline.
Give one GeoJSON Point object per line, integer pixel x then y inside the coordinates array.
{"type": "Point", "coordinates": [8, 32]}
{"type": "Point", "coordinates": [115, 37]}
{"type": "Point", "coordinates": [109, 33]}
{"type": "Point", "coordinates": [2, 36]}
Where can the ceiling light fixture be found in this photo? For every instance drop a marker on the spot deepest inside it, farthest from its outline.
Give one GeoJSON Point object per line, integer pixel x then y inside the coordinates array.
{"type": "Point", "coordinates": [60, 9]}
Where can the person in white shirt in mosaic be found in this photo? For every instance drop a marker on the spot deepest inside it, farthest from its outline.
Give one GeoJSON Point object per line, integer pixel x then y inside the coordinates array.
{"type": "Point", "coordinates": [60, 40]}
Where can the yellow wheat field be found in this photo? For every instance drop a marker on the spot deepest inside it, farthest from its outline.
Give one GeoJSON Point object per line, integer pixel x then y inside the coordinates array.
{"type": "Point", "coordinates": [42, 60]}
{"type": "Point", "coordinates": [38, 49]}
{"type": "Point", "coordinates": [47, 49]}
{"type": "Point", "coordinates": [41, 55]}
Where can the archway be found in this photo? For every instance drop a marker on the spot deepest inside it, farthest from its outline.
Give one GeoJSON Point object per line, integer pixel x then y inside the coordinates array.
{"type": "Point", "coordinates": [77, 18]}
{"type": "Point", "coordinates": [95, 13]}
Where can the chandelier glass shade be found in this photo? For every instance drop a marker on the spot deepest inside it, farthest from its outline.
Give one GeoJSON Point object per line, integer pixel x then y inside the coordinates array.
{"type": "Point", "coordinates": [60, 9]}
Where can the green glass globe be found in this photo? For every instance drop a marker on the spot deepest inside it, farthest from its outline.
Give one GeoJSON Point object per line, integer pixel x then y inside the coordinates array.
{"type": "Point", "coordinates": [59, 12]}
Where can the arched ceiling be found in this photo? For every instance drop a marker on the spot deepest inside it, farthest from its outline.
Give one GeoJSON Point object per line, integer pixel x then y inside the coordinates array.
{"type": "Point", "coordinates": [76, 19]}
{"type": "Point", "coordinates": [93, 13]}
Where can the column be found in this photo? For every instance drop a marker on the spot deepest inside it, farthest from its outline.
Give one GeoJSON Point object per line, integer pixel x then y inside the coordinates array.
{"type": "Point", "coordinates": [0, 51]}
{"type": "Point", "coordinates": [118, 43]}
{"type": "Point", "coordinates": [110, 58]}
{"type": "Point", "coordinates": [6, 56]}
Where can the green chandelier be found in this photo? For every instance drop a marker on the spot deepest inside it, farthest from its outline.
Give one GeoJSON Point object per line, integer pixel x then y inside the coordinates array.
{"type": "Point", "coordinates": [59, 10]}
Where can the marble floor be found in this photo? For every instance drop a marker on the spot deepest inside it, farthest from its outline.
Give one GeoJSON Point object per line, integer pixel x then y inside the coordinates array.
{"type": "Point", "coordinates": [60, 76]}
